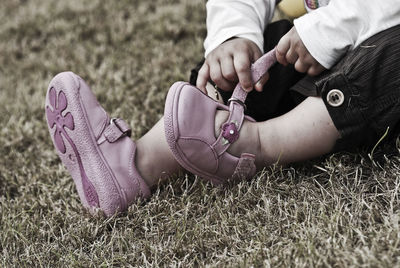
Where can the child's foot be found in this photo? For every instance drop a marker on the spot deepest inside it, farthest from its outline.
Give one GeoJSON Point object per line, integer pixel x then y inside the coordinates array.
{"type": "Point", "coordinates": [96, 149]}
{"type": "Point", "coordinates": [190, 119]}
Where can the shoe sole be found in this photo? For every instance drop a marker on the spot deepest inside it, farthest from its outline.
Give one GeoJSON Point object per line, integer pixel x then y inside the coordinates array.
{"type": "Point", "coordinates": [77, 148]}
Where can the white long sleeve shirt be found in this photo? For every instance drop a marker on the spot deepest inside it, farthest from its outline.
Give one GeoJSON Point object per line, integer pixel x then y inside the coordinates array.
{"type": "Point", "coordinates": [327, 32]}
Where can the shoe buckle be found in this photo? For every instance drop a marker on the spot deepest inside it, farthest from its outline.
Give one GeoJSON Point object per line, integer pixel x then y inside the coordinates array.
{"type": "Point", "coordinates": [233, 99]}
{"type": "Point", "coordinates": [122, 126]}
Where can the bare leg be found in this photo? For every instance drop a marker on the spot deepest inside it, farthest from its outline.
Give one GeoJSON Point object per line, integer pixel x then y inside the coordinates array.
{"type": "Point", "coordinates": [154, 159]}
{"type": "Point", "coordinates": [305, 132]}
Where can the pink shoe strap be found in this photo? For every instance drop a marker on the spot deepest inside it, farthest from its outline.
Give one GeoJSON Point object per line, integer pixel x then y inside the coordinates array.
{"type": "Point", "coordinates": [231, 128]}
{"type": "Point", "coordinates": [115, 130]}
{"type": "Point", "coordinates": [245, 167]}
{"type": "Point", "coordinates": [258, 69]}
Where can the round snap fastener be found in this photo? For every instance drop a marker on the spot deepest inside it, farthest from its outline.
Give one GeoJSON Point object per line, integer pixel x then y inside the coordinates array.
{"type": "Point", "coordinates": [335, 97]}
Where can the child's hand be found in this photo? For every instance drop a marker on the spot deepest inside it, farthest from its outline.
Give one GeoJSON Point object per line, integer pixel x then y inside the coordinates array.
{"type": "Point", "coordinates": [291, 49]}
{"type": "Point", "coordinates": [229, 64]}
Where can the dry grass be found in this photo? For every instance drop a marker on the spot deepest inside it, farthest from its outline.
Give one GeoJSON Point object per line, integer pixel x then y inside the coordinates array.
{"type": "Point", "coordinates": [341, 210]}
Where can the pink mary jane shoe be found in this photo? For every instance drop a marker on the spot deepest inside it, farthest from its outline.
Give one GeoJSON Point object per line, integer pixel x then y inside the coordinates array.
{"type": "Point", "coordinates": [189, 119]}
{"type": "Point", "coordinates": [96, 149]}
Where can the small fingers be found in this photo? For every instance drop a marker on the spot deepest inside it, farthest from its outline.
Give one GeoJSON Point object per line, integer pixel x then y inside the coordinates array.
{"type": "Point", "coordinates": [260, 84]}
{"type": "Point", "coordinates": [282, 49]}
{"type": "Point", "coordinates": [228, 70]}
{"type": "Point", "coordinates": [315, 70]}
{"type": "Point", "coordinates": [292, 56]}
{"type": "Point", "coordinates": [301, 66]}
{"type": "Point", "coordinates": [281, 58]}
{"type": "Point", "coordinates": [256, 54]}
{"type": "Point", "coordinates": [311, 69]}
{"type": "Point", "coordinates": [202, 77]}
{"type": "Point", "coordinates": [218, 78]}
{"type": "Point", "coordinates": [242, 66]}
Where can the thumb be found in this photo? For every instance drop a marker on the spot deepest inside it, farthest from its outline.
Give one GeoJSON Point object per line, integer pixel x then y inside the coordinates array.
{"type": "Point", "coordinates": [260, 84]}
{"type": "Point", "coordinates": [256, 54]}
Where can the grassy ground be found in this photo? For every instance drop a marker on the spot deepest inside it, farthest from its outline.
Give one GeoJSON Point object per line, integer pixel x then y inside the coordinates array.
{"type": "Point", "coordinates": [341, 210]}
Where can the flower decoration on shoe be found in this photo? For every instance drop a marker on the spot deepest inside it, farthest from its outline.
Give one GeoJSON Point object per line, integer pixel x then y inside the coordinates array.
{"type": "Point", "coordinates": [230, 132]}
{"type": "Point", "coordinates": [95, 149]}
{"type": "Point", "coordinates": [55, 117]}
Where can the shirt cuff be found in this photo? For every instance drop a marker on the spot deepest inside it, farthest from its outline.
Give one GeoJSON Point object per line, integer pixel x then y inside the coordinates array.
{"type": "Point", "coordinates": [309, 29]}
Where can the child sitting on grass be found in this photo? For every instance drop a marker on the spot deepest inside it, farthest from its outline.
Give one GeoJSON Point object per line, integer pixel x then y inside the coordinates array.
{"type": "Point", "coordinates": [349, 98]}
